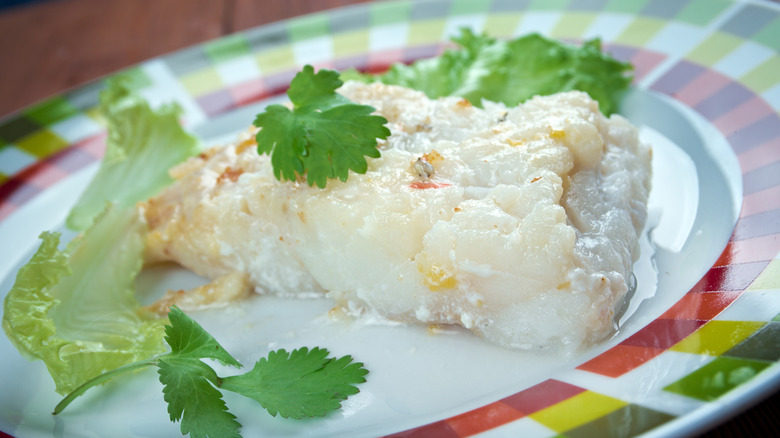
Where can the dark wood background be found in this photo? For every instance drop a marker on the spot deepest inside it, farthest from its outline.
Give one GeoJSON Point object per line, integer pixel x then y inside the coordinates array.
{"type": "Point", "coordinates": [50, 46]}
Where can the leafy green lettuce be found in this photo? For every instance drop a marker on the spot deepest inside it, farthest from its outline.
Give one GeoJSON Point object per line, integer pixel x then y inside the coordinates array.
{"type": "Point", "coordinates": [76, 309]}
{"type": "Point", "coordinates": [512, 71]}
{"type": "Point", "coordinates": [142, 145]}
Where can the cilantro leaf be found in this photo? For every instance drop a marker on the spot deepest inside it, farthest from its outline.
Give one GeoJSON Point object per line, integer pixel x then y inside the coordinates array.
{"type": "Point", "coordinates": [189, 340]}
{"type": "Point", "coordinates": [303, 383]}
{"type": "Point", "coordinates": [309, 90]}
{"type": "Point", "coordinates": [324, 136]}
{"type": "Point", "coordinates": [189, 384]}
{"type": "Point", "coordinates": [192, 398]}
{"type": "Point", "coordinates": [342, 375]}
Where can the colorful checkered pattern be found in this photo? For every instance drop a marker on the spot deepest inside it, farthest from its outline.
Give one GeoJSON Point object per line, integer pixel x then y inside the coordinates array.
{"type": "Point", "coordinates": [718, 57]}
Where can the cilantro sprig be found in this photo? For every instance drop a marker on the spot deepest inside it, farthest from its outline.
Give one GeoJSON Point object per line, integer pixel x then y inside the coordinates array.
{"type": "Point", "coordinates": [324, 136]}
{"type": "Point", "coordinates": [298, 384]}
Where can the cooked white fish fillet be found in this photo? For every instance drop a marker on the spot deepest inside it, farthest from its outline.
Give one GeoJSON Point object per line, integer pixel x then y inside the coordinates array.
{"type": "Point", "coordinates": [519, 224]}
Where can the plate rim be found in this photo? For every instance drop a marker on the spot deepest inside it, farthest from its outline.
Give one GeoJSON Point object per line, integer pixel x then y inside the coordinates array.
{"type": "Point", "coordinates": [88, 144]}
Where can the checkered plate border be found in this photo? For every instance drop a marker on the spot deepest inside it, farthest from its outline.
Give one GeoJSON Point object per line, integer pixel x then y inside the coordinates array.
{"type": "Point", "coordinates": [719, 58]}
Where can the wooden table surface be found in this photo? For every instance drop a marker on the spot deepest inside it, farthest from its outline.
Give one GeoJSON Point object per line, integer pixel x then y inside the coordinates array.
{"type": "Point", "coordinates": [50, 46]}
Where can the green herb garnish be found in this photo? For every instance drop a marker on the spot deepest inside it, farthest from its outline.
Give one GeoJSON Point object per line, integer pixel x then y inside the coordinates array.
{"type": "Point", "coordinates": [302, 383]}
{"type": "Point", "coordinates": [324, 136]}
{"type": "Point", "coordinates": [512, 71]}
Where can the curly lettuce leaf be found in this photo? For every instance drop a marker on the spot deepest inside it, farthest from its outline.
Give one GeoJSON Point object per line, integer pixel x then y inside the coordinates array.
{"type": "Point", "coordinates": [76, 309]}
{"type": "Point", "coordinates": [142, 145]}
{"type": "Point", "coordinates": [512, 71]}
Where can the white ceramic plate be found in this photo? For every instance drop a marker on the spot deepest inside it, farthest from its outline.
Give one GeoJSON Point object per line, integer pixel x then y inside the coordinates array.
{"type": "Point", "coordinates": [705, 97]}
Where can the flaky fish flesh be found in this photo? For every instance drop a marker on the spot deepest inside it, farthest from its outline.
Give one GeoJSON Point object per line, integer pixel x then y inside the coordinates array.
{"type": "Point", "coordinates": [520, 224]}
